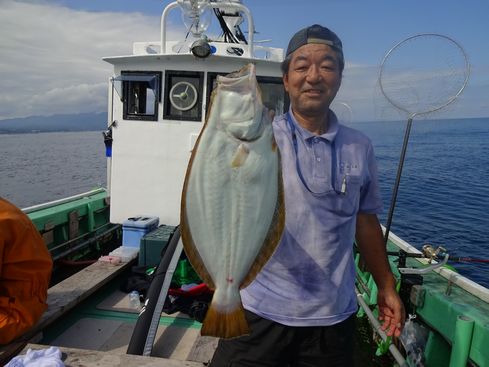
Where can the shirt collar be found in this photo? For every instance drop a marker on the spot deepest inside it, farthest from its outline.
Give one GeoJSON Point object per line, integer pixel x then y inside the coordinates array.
{"type": "Point", "coordinates": [329, 135]}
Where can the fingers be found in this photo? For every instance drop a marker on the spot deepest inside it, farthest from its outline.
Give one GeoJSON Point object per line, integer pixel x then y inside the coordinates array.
{"type": "Point", "coordinates": [393, 329]}
{"type": "Point", "coordinates": [393, 319]}
{"type": "Point", "coordinates": [391, 312]}
{"type": "Point", "coordinates": [392, 326]}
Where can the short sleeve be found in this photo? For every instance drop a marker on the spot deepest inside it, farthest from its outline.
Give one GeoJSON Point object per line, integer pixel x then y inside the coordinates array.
{"type": "Point", "coordinates": [370, 199]}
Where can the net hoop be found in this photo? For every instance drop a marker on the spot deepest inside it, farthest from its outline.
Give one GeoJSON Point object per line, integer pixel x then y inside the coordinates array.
{"type": "Point", "coordinates": [437, 108]}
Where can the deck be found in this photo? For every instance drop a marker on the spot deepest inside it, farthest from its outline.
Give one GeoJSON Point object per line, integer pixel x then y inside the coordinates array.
{"type": "Point", "coordinates": [73, 357]}
{"type": "Point", "coordinates": [64, 296]}
{"type": "Point", "coordinates": [100, 333]}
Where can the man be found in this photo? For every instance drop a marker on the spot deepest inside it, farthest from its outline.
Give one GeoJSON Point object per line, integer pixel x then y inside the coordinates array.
{"type": "Point", "coordinates": [302, 304]}
{"type": "Point", "coordinates": [25, 270]}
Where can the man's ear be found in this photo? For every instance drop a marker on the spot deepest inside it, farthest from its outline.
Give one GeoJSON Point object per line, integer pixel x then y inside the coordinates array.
{"type": "Point", "coordinates": [286, 82]}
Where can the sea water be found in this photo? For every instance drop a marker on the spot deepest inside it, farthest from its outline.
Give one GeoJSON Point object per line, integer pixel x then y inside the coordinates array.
{"type": "Point", "coordinates": [443, 197]}
{"type": "Point", "coordinates": [41, 167]}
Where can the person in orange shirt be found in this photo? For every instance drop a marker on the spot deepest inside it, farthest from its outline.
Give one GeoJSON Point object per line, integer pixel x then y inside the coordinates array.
{"type": "Point", "coordinates": [25, 271]}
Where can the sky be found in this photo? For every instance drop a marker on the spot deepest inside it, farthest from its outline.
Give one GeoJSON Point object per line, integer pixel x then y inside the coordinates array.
{"type": "Point", "coordinates": [51, 50]}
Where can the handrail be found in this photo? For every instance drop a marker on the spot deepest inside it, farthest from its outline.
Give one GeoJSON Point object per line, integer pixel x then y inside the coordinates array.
{"type": "Point", "coordinates": [162, 25]}
{"type": "Point", "coordinates": [378, 329]}
{"type": "Point", "coordinates": [34, 208]}
{"type": "Point", "coordinates": [465, 283]}
{"type": "Point", "coordinates": [424, 270]}
{"type": "Point", "coordinates": [73, 246]}
{"type": "Point", "coordinates": [214, 5]}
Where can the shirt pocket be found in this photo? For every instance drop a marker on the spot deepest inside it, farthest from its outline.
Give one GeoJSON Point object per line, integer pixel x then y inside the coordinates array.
{"type": "Point", "coordinates": [347, 203]}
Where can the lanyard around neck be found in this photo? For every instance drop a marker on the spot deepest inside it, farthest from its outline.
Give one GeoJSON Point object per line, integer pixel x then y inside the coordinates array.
{"type": "Point", "coordinates": [298, 166]}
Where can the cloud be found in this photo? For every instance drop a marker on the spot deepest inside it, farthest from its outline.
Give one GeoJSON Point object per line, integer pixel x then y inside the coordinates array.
{"type": "Point", "coordinates": [357, 91]}
{"type": "Point", "coordinates": [52, 56]}
{"type": "Point", "coordinates": [416, 90]}
{"type": "Point", "coordinates": [51, 63]}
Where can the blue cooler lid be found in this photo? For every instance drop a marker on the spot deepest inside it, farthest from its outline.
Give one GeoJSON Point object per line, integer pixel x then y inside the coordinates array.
{"type": "Point", "coordinates": [141, 221]}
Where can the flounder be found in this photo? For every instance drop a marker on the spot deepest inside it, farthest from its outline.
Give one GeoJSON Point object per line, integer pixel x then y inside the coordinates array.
{"type": "Point", "coordinates": [232, 208]}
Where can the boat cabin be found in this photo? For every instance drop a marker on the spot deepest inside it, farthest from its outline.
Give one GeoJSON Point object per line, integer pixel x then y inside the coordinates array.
{"type": "Point", "coordinates": [159, 98]}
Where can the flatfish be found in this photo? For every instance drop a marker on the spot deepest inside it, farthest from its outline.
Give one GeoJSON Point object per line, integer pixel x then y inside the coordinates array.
{"type": "Point", "coordinates": [232, 208]}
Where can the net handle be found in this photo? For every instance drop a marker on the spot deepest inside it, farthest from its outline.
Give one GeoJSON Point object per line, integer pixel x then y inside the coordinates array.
{"type": "Point", "coordinates": [412, 114]}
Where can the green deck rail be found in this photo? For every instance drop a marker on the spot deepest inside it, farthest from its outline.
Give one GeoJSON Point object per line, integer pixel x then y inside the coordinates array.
{"type": "Point", "coordinates": [457, 319]}
{"type": "Point", "coordinates": [68, 226]}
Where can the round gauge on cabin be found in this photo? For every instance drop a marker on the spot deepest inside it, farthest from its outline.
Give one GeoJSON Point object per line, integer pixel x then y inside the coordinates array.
{"type": "Point", "coordinates": [183, 96]}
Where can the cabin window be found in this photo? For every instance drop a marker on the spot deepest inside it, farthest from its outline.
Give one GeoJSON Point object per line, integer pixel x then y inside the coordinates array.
{"type": "Point", "coordinates": [273, 94]}
{"type": "Point", "coordinates": [140, 94]}
{"type": "Point", "coordinates": [183, 95]}
{"type": "Point", "coordinates": [272, 89]}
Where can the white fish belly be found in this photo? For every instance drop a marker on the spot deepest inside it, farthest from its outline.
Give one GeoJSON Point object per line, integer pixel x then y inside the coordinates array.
{"type": "Point", "coordinates": [230, 209]}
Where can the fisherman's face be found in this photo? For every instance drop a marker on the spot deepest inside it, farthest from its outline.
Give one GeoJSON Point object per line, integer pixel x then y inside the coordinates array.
{"type": "Point", "coordinates": [313, 79]}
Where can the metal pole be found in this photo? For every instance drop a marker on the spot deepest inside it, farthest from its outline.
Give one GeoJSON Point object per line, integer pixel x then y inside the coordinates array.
{"type": "Point", "coordinates": [378, 329]}
{"type": "Point", "coordinates": [398, 178]}
{"type": "Point", "coordinates": [50, 204]}
{"type": "Point", "coordinates": [218, 5]}
{"type": "Point", "coordinates": [162, 25]}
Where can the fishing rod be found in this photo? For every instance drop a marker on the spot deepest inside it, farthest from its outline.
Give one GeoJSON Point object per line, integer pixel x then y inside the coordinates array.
{"type": "Point", "coordinates": [467, 260]}
{"type": "Point", "coordinates": [429, 252]}
{"type": "Point", "coordinates": [459, 259]}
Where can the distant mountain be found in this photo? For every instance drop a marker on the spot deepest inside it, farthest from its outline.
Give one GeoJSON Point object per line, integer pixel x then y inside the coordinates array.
{"type": "Point", "coordinates": [74, 122]}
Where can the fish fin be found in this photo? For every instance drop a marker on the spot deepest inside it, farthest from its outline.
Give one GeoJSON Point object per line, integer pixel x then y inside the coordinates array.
{"type": "Point", "coordinates": [187, 240]}
{"type": "Point", "coordinates": [273, 236]}
{"type": "Point", "coordinates": [274, 145]}
{"type": "Point", "coordinates": [192, 253]}
{"type": "Point", "coordinates": [228, 324]}
{"type": "Point", "coordinates": [240, 156]}
{"type": "Point", "coordinates": [211, 102]}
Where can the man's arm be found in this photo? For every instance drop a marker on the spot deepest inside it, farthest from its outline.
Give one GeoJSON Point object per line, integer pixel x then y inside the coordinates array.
{"type": "Point", "coordinates": [370, 242]}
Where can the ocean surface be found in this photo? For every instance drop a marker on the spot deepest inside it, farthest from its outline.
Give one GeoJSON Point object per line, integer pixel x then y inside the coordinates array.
{"type": "Point", "coordinates": [443, 197]}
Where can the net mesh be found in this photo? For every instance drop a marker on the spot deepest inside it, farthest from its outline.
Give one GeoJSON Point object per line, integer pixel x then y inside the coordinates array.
{"type": "Point", "coordinates": [342, 111]}
{"type": "Point", "coordinates": [424, 73]}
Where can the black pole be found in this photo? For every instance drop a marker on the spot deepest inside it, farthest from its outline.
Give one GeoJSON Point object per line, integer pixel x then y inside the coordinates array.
{"type": "Point", "coordinates": [140, 333]}
{"type": "Point", "coordinates": [398, 179]}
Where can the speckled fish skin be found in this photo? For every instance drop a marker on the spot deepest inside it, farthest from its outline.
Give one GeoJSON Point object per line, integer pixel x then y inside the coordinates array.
{"type": "Point", "coordinates": [232, 213]}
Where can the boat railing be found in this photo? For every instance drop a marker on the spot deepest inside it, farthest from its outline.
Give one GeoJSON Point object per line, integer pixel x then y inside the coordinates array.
{"type": "Point", "coordinates": [215, 5]}
{"type": "Point", "coordinates": [260, 51]}
{"type": "Point", "coordinates": [451, 276]}
{"type": "Point", "coordinates": [50, 204]}
{"type": "Point", "coordinates": [378, 329]}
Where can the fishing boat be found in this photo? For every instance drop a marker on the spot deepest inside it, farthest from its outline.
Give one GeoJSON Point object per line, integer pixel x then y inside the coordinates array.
{"type": "Point", "coordinates": [158, 98]}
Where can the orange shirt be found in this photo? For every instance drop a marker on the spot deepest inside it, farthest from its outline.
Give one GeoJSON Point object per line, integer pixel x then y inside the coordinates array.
{"type": "Point", "coordinates": [25, 271]}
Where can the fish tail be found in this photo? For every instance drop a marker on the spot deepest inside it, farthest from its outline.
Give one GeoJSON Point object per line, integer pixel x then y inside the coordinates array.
{"type": "Point", "coordinates": [229, 323]}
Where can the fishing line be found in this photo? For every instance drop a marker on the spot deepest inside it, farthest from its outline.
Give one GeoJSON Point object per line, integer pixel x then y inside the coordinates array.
{"type": "Point", "coordinates": [420, 75]}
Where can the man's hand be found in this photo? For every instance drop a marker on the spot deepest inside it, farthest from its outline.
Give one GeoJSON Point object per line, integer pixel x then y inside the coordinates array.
{"type": "Point", "coordinates": [391, 312]}
{"type": "Point", "coordinates": [370, 242]}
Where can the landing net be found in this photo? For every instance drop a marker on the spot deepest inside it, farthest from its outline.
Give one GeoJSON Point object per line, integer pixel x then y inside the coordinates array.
{"type": "Point", "coordinates": [420, 75]}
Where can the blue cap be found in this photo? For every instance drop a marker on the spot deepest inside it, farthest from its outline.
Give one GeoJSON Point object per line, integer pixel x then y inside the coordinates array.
{"type": "Point", "coordinates": [315, 34]}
